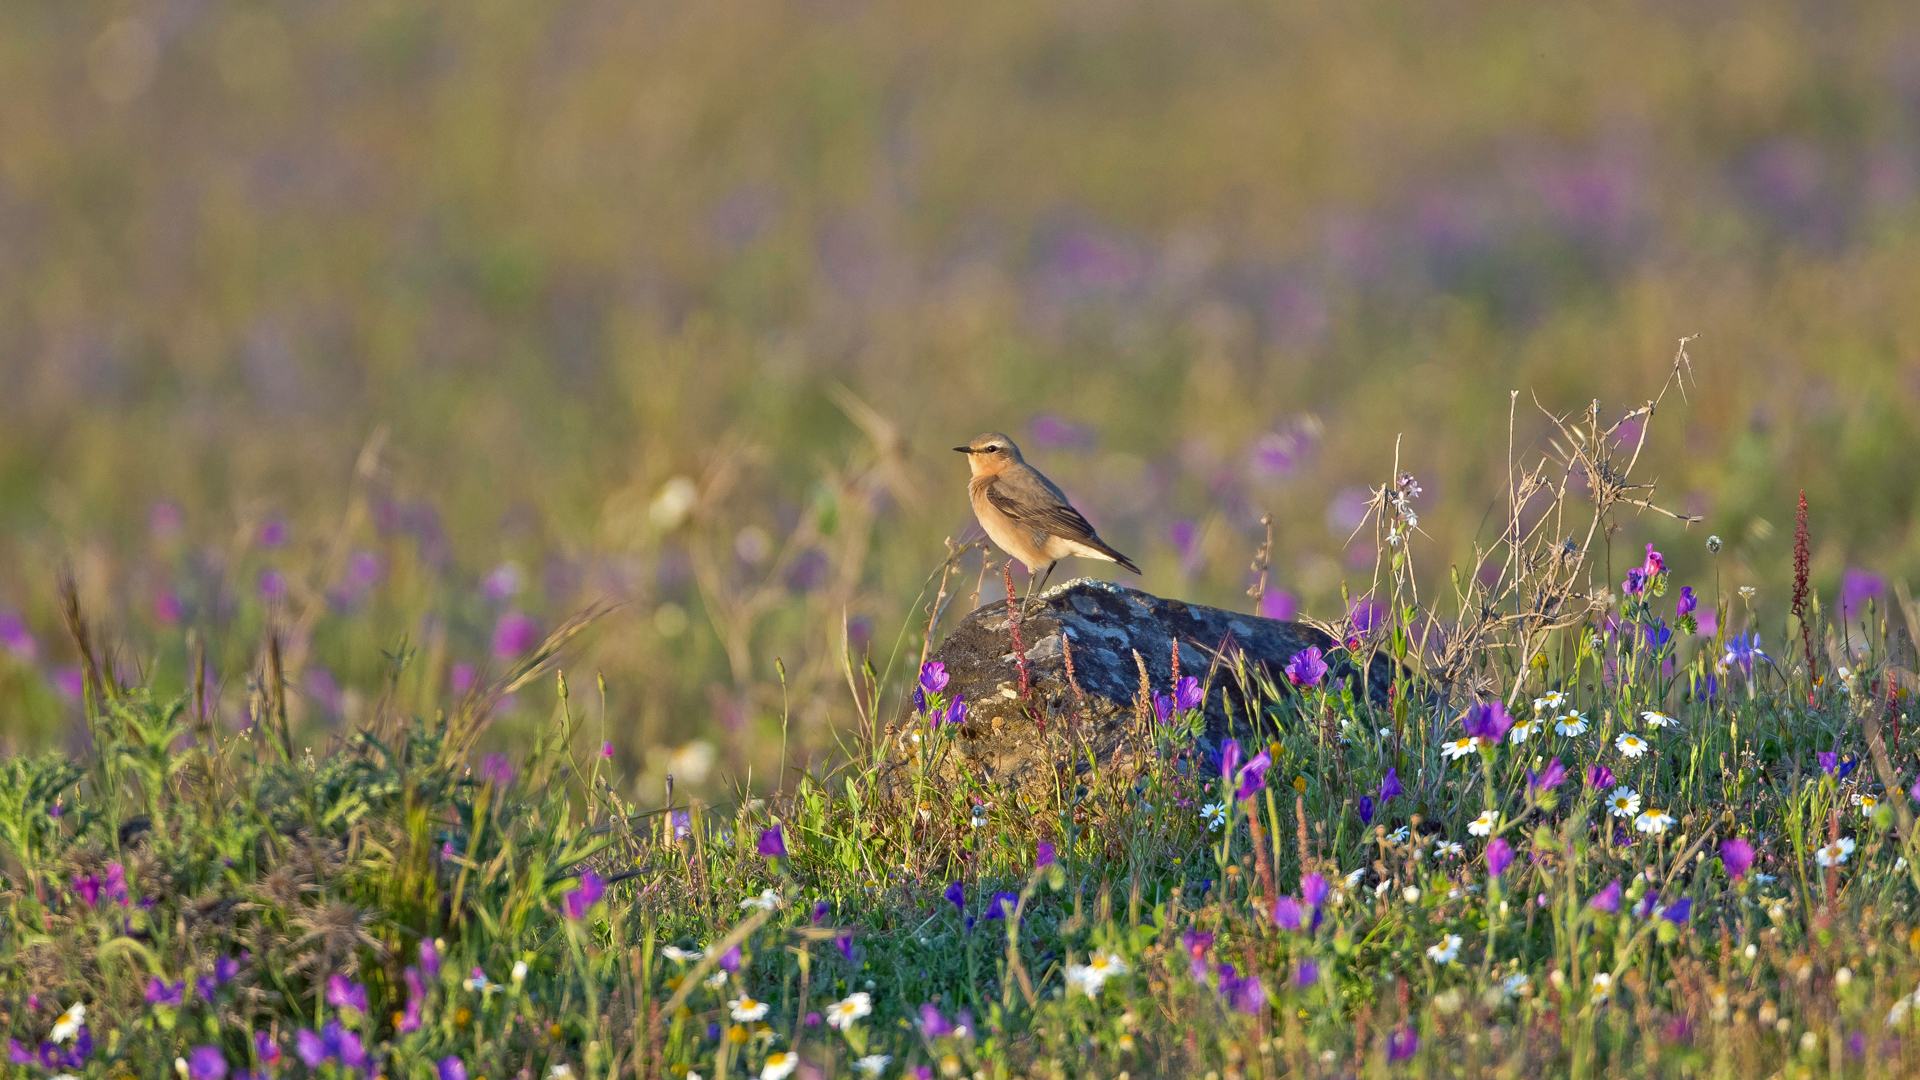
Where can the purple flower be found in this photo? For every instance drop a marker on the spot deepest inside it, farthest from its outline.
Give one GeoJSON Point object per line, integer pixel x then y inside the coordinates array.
{"type": "Point", "coordinates": [1552, 777]}
{"type": "Point", "coordinates": [224, 970]}
{"type": "Point", "coordinates": [1186, 693]}
{"type": "Point", "coordinates": [773, 844]}
{"type": "Point", "coordinates": [342, 994]}
{"type": "Point", "coordinates": [1402, 1044]}
{"type": "Point", "coordinates": [1687, 602]}
{"type": "Point", "coordinates": [495, 769]}
{"type": "Point", "coordinates": [1390, 785]}
{"type": "Point", "coordinates": [452, 1069]}
{"type": "Point", "coordinates": [932, 1024]}
{"type": "Point", "coordinates": [416, 997]}
{"type": "Point", "coordinates": [18, 1054]}
{"type": "Point", "coordinates": [1366, 809]}
{"type": "Point", "coordinates": [1488, 722]}
{"type": "Point", "coordinates": [161, 992]}
{"type": "Point", "coordinates": [730, 961]}
{"type": "Point", "coordinates": [1287, 914]}
{"type": "Point", "coordinates": [1306, 974]}
{"type": "Point", "coordinates": [501, 582]}
{"type": "Point", "coordinates": [1313, 889]}
{"type": "Point", "coordinates": [1857, 586]}
{"type": "Point", "coordinates": [1053, 432]}
{"type": "Point", "coordinates": [682, 824]}
{"type": "Point", "coordinates": [606, 749]}
{"type": "Point", "coordinates": [429, 959]}
{"type": "Point", "coordinates": [461, 677]}
{"type": "Point", "coordinates": [514, 634]}
{"type": "Point", "coordinates": [1162, 707]}
{"type": "Point", "coordinates": [1914, 791]}
{"type": "Point", "coordinates": [1656, 635]}
{"type": "Point", "coordinates": [273, 532]}
{"type": "Point", "coordinates": [1743, 650]}
{"type": "Point", "coordinates": [956, 895]}
{"type": "Point", "coordinates": [1737, 856]}
{"type": "Point", "coordinates": [579, 901]}
{"type": "Point", "coordinates": [16, 638]}
{"type": "Point", "coordinates": [1636, 583]}
{"type": "Point", "coordinates": [332, 1042]}
{"type": "Point", "coordinates": [204, 986]}
{"type": "Point", "coordinates": [954, 714]}
{"type": "Point", "coordinates": [1599, 776]}
{"type": "Point", "coordinates": [1278, 604]}
{"type": "Point", "coordinates": [1044, 856]}
{"type": "Point", "coordinates": [1607, 899]}
{"type": "Point", "coordinates": [1831, 764]}
{"type": "Point", "coordinates": [1196, 943]}
{"type": "Point", "coordinates": [206, 1063]}
{"type": "Point", "coordinates": [845, 944]}
{"type": "Point", "coordinates": [933, 676]}
{"type": "Point", "coordinates": [266, 1049]}
{"type": "Point", "coordinates": [1655, 564]}
{"type": "Point", "coordinates": [115, 887]}
{"type": "Point", "coordinates": [1306, 668]}
{"type": "Point", "coordinates": [1002, 905]}
{"type": "Point", "coordinates": [1252, 776]}
{"type": "Point", "coordinates": [1499, 856]}
{"type": "Point", "coordinates": [1243, 994]}
{"type": "Point", "coordinates": [88, 889]}
{"type": "Point", "coordinates": [272, 584]}
{"type": "Point", "coordinates": [1678, 912]}
{"type": "Point", "coordinates": [1366, 614]}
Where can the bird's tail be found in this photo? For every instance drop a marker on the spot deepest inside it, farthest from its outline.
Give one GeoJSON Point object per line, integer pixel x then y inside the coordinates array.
{"type": "Point", "coordinates": [1107, 550]}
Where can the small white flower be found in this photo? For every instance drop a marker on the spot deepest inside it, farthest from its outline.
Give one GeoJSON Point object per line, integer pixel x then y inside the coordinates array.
{"type": "Point", "coordinates": [1630, 744]}
{"type": "Point", "coordinates": [1653, 821]}
{"type": "Point", "coordinates": [1456, 749]}
{"type": "Point", "coordinates": [1571, 724]}
{"type": "Point", "coordinates": [1446, 950]}
{"type": "Point", "coordinates": [1835, 853]}
{"type": "Point", "coordinates": [1764, 879]}
{"type": "Point", "coordinates": [1624, 802]}
{"type": "Point", "coordinates": [842, 1014]}
{"type": "Point", "coordinates": [1868, 804]}
{"type": "Point", "coordinates": [67, 1027]}
{"type": "Point", "coordinates": [1483, 825]}
{"type": "Point", "coordinates": [1214, 814]}
{"type": "Point", "coordinates": [480, 984]}
{"type": "Point", "coordinates": [716, 980]}
{"type": "Point", "coordinates": [1386, 733]}
{"type": "Point", "coordinates": [1658, 719]}
{"type": "Point", "coordinates": [1381, 889]}
{"type": "Point", "coordinates": [1354, 878]}
{"type": "Point", "coordinates": [1107, 965]}
{"type": "Point", "coordinates": [1550, 703]}
{"type": "Point", "coordinates": [1449, 848]}
{"type": "Point", "coordinates": [1513, 984]}
{"type": "Point", "coordinates": [1525, 730]}
{"type": "Point", "coordinates": [1602, 985]}
{"type": "Point", "coordinates": [680, 956]}
{"type": "Point", "coordinates": [746, 1010]}
{"type": "Point", "coordinates": [1399, 835]}
{"type": "Point", "coordinates": [873, 1064]}
{"type": "Point", "coordinates": [1411, 894]}
{"type": "Point", "coordinates": [766, 901]}
{"type": "Point", "coordinates": [560, 1071]}
{"type": "Point", "coordinates": [780, 1066]}
{"type": "Point", "coordinates": [519, 971]}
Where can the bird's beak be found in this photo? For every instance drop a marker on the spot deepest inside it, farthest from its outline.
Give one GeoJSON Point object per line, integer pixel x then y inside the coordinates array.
{"type": "Point", "coordinates": [964, 449]}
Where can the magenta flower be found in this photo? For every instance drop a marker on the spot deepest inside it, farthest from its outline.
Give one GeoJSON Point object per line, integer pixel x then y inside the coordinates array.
{"type": "Point", "coordinates": [773, 844]}
{"type": "Point", "coordinates": [1314, 889]}
{"type": "Point", "coordinates": [342, 994]}
{"type": "Point", "coordinates": [272, 585]}
{"type": "Point", "coordinates": [16, 638]}
{"type": "Point", "coordinates": [933, 676]}
{"type": "Point", "coordinates": [1488, 722]}
{"type": "Point", "coordinates": [206, 1063]}
{"type": "Point", "coordinates": [1687, 602]}
{"type": "Point", "coordinates": [1607, 899]}
{"type": "Point", "coordinates": [429, 959]}
{"type": "Point", "coordinates": [577, 902]}
{"type": "Point", "coordinates": [1044, 856]}
{"type": "Point", "coordinates": [167, 608]}
{"type": "Point", "coordinates": [1599, 776]}
{"type": "Point", "coordinates": [606, 749]}
{"type": "Point", "coordinates": [1278, 604]}
{"type": "Point", "coordinates": [1306, 668]}
{"type": "Point", "coordinates": [1656, 564]}
{"type": "Point", "coordinates": [1636, 583]}
{"type": "Point", "coordinates": [495, 769]}
{"type": "Point", "coordinates": [452, 1069]}
{"type": "Point", "coordinates": [416, 997]}
{"type": "Point", "coordinates": [1546, 780]}
{"type": "Point", "coordinates": [115, 887]}
{"type": "Point", "coordinates": [1857, 586]}
{"type": "Point", "coordinates": [1737, 856]}
{"type": "Point", "coordinates": [1287, 914]}
{"type": "Point", "coordinates": [1402, 1044]}
{"type": "Point", "coordinates": [1499, 856]}
{"type": "Point", "coordinates": [932, 1024]}
{"type": "Point", "coordinates": [88, 889]}
{"type": "Point", "coordinates": [514, 634]}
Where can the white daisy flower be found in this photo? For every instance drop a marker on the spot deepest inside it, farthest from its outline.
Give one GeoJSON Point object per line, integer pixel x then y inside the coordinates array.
{"type": "Point", "coordinates": [1654, 821]}
{"type": "Point", "coordinates": [1446, 950]}
{"type": "Point", "coordinates": [67, 1028]}
{"type": "Point", "coordinates": [1835, 853]}
{"type": "Point", "coordinates": [1658, 719]}
{"type": "Point", "coordinates": [1513, 984]}
{"type": "Point", "coordinates": [1630, 744]}
{"type": "Point", "coordinates": [1570, 724]}
{"type": "Point", "coordinates": [1483, 825]}
{"type": "Point", "coordinates": [1525, 730]}
{"type": "Point", "coordinates": [1354, 878]}
{"type": "Point", "coordinates": [1868, 804]}
{"type": "Point", "coordinates": [1399, 835]}
{"type": "Point", "coordinates": [1550, 703]}
{"type": "Point", "coordinates": [766, 901]}
{"type": "Point", "coordinates": [1214, 814]}
{"type": "Point", "coordinates": [560, 1070]}
{"type": "Point", "coordinates": [1449, 848]}
{"type": "Point", "coordinates": [1624, 802]}
{"type": "Point", "coordinates": [716, 980]}
{"type": "Point", "coordinates": [1602, 985]}
{"type": "Point", "coordinates": [681, 956]}
{"type": "Point", "coordinates": [1455, 749]}
{"type": "Point", "coordinates": [746, 1010]}
{"type": "Point", "coordinates": [873, 1064]}
{"type": "Point", "coordinates": [780, 1066]}
{"type": "Point", "coordinates": [842, 1014]}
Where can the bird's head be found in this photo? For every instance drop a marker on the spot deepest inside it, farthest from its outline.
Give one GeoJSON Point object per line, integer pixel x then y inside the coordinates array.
{"type": "Point", "coordinates": [990, 453]}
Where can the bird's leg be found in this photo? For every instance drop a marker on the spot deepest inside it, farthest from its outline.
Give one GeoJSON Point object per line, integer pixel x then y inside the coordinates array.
{"type": "Point", "coordinates": [1033, 589]}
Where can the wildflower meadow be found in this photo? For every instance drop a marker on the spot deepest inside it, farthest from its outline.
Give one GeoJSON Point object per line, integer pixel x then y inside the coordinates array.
{"type": "Point", "coordinates": [1599, 825]}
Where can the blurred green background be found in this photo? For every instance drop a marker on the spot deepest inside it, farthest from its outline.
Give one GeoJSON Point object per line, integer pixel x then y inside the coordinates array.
{"type": "Point", "coordinates": [439, 321]}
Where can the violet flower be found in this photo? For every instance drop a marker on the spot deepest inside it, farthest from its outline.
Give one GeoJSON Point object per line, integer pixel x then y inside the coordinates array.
{"type": "Point", "coordinates": [342, 994]}
{"type": "Point", "coordinates": [1402, 1044]}
{"type": "Point", "coordinates": [1547, 779]}
{"type": "Point", "coordinates": [1002, 905]}
{"type": "Point", "coordinates": [579, 901]}
{"type": "Point", "coordinates": [1742, 651]}
{"type": "Point", "coordinates": [1366, 810]}
{"type": "Point", "coordinates": [1306, 668]}
{"type": "Point", "coordinates": [773, 843]}
{"type": "Point", "coordinates": [161, 992]}
{"type": "Point", "coordinates": [206, 1063]}
{"type": "Point", "coordinates": [932, 1024]}
{"type": "Point", "coordinates": [416, 997]}
{"type": "Point", "coordinates": [429, 959]}
{"type": "Point", "coordinates": [1043, 856]}
{"type": "Point", "coordinates": [1599, 776]}
{"type": "Point", "coordinates": [1607, 899]}
{"type": "Point", "coordinates": [956, 894]}
{"type": "Point", "coordinates": [1636, 583]}
{"type": "Point", "coordinates": [1679, 911]}
{"type": "Point", "coordinates": [1684, 606]}
{"type": "Point", "coordinates": [1488, 722]}
{"type": "Point", "coordinates": [1390, 785]}
{"type": "Point", "coordinates": [933, 676]}
{"type": "Point", "coordinates": [1499, 856]}
{"type": "Point", "coordinates": [1186, 693]}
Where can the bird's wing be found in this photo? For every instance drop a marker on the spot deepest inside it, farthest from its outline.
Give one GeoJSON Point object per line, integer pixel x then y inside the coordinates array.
{"type": "Point", "coordinates": [1036, 504]}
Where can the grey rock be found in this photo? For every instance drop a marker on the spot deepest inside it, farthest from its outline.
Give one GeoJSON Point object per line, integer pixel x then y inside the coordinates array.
{"type": "Point", "coordinates": [1029, 747]}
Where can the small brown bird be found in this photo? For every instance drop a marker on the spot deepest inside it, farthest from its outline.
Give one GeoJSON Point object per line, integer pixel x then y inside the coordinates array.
{"type": "Point", "coordinates": [1025, 513]}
